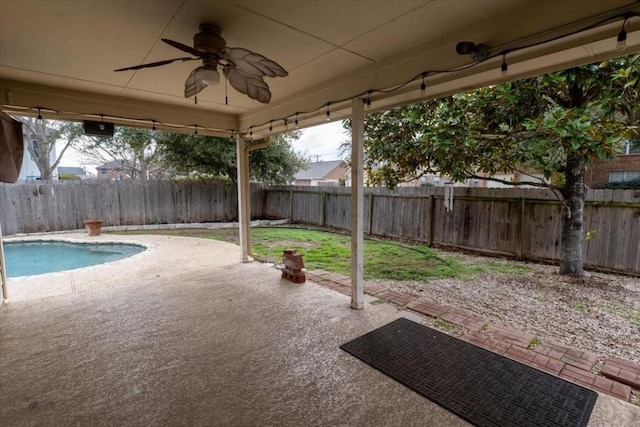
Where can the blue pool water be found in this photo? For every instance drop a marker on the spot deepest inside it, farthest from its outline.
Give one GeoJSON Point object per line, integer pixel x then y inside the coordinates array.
{"type": "Point", "coordinates": [30, 258]}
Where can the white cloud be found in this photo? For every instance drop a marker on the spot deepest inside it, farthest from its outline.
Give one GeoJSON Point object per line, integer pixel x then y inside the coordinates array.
{"type": "Point", "coordinates": [322, 141]}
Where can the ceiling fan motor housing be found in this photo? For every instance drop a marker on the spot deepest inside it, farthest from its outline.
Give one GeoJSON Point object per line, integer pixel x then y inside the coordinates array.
{"type": "Point", "coordinates": [209, 39]}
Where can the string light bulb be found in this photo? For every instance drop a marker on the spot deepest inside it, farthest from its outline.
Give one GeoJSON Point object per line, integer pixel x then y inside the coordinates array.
{"type": "Point", "coordinates": [40, 126]}
{"type": "Point", "coordinates": [251, 131]}
{"type": "Point", "coordinates": [328, 111]}
{"type": "Point", "coordinates": [297, 124]}
{"type": "Point", "coordinates": [368, 101]}
{"type": "Point", "coordinates": [286, 125]}
{"type": "Point", "coordinates": [195, 132]}
{"type": "Point", "coordinates": [423, 86]}
{"type": "Point", "coordinates": [504, 68]}
{"type": "Point", "coordinates": [153, 127]}
{"type": "Point", "coordinates": [621, 45]}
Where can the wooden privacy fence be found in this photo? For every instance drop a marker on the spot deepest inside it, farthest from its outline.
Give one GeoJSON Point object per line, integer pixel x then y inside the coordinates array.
{"type": "Point", "coordinates": [64, 205]}
{"type": "Point", "coordinates": [524, 223]}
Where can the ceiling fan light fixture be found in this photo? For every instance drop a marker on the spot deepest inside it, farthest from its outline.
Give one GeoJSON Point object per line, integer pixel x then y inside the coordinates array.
{"type": "Point", "coordinates": [243, 69]}
{"type": "Point", "coordinates": [210, 76]}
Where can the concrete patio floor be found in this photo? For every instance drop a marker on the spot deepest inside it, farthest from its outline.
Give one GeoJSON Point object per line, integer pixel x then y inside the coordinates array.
{"type": "Point", "coordinates": [184, 334]}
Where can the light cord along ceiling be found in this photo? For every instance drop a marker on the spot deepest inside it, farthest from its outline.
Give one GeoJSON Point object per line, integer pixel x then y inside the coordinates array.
{"type": "Point", "coordinates": [245, 63]}
{"type": "Point", "coordinates": [243, 69]}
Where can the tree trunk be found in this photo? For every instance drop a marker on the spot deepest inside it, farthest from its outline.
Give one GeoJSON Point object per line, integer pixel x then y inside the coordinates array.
{"type": "Point", "coordinates": [574, 193]}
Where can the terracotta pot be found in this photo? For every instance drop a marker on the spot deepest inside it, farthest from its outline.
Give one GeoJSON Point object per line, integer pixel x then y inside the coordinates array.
{"type": "Point", "coordinates": [93, 226]}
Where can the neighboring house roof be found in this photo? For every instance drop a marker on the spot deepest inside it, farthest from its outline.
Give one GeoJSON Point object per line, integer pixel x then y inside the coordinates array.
{"type": "Point", "coordinates": [318, 170]}
{"type": "Point", "coordinates": [71, 170]}
{"type": "Point", "coordinates": [114, 164]}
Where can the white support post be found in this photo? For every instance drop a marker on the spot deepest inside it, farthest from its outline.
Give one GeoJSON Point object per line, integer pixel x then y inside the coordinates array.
{"type": "Point", "coordinates": [3, 271]}
{"type": "Point", "coordinates": [247, 202]}
{"type": "Point", "coordinates": [242, 173]}
{"type": "Point", "coordinates": [357, 203]}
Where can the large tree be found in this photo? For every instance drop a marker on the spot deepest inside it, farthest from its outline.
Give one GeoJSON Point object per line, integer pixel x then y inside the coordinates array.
{"type": "Point", "coordinates": [42, 136]}
{"type": "Point", "coordinates": [216, 157]}
{"type": "Point", "coordinates": [556, 123]}
{"type": "Point", "coordinates": [134, 149]}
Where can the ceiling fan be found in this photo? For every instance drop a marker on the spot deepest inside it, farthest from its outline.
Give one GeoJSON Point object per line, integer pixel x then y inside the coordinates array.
{"type": "Point", "coordinates": [242, 68]}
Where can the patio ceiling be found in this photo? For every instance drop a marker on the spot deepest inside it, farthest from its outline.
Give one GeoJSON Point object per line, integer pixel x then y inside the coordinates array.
{"type": "Point", "coordinates": [60, 55]}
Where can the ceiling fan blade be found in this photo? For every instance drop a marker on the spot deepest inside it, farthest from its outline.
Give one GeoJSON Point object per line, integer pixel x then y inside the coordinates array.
{"type": "Point", "coordinates": [184, 48]}
{"type": "Point", "coordinates": [253, 63]}
{"type": "Point", "coordinates": [194, 84]}
{"type": "Point", "coordinates": [156, 64]}
{"type": "Point", "coordinates": [253, 87]}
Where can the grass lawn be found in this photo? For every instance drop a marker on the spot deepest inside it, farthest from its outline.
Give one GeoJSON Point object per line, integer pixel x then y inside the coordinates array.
{"type": "Point", "coordinates": [331, 252]}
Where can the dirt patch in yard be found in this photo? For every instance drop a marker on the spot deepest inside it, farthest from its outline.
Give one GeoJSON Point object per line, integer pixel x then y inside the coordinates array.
{"type": "Point", "coordinates": [290, 243]}
{"type": "Point", "coordinates": [601, 313]}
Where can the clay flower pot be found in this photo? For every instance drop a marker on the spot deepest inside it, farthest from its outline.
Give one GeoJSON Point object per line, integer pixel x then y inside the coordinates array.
{"type": "Point", "coordinates": [93, 226]}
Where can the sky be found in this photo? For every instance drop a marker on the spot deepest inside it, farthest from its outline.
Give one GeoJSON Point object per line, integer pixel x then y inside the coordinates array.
{"type": "Point", "coordinates": [320, 142]}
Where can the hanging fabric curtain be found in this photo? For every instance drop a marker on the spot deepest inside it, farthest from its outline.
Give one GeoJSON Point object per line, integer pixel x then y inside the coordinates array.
{"type": "Point", "coordinates": [11, 148]}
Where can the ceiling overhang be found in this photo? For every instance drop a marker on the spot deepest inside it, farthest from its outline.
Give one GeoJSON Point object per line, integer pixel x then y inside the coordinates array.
{"type": "Point", "coordinates": [58, 59]}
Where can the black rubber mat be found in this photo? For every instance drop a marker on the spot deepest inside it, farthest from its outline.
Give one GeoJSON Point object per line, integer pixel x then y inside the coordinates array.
{"type": "Point", "coordinates": [482, 387]}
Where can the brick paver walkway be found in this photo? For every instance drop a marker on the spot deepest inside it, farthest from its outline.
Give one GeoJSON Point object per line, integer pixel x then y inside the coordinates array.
{"type": "Point", "coordinates": [617, 377]}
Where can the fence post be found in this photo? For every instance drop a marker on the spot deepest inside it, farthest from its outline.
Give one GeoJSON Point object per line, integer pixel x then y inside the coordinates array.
{"type": "Point", "coordinates": [370, 214]}
{"type": "Point", "coordinates": [431, 209]}
{"type": "Point", "coordinates": [323, 205]}
{"type": "Point", "coordinates": [291, 205]}
{"type": "Point", "coordinates": [520, 233]}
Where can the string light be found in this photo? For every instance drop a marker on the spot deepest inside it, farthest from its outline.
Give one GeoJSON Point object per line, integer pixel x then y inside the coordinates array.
{"type": "Point", "coordinates": [620, 45]}
{"type": "Point", "coordinates": [504, 68]}
{"type": "Point", "coordinates": [195, 132]}
{"type": "Point", "coordinates": [154, 125]}
{"type": "Point", "coordinates": [40, 123]}
{"type": "Point", "coordinates": [286, 124]}
{"type": "Point", "coordinates": [270, 125]}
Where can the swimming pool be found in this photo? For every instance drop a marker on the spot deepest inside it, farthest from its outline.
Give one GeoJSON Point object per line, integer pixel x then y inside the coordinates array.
{"type": "Point", "coordinates": [28, 258]}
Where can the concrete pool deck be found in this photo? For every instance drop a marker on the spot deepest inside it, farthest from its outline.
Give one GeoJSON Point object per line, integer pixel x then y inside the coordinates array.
{"type": "Point", "coordinates": [184, 334]}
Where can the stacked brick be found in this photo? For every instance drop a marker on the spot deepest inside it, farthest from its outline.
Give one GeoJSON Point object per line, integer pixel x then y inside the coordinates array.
{"type": "Point", "coordinates": [293, 265]}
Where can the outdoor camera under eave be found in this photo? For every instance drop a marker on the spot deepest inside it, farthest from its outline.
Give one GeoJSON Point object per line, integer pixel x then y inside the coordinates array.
{"type": "Point", "coordinates": [101, 129]}
{"type": "Point", "coordinates": [478, 52]}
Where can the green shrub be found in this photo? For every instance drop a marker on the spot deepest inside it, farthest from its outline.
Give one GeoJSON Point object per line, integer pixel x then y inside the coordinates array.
{"type": "Point", "coordinates": [634, 184]}
{"type": "Point", "coordinates": [68, 176]}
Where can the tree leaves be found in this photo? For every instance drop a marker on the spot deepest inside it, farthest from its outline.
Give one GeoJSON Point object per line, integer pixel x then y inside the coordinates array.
{"type": "Point", "coordinates": [215, 157]}
{"type": "Point", "coordinates": [531, 124]}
